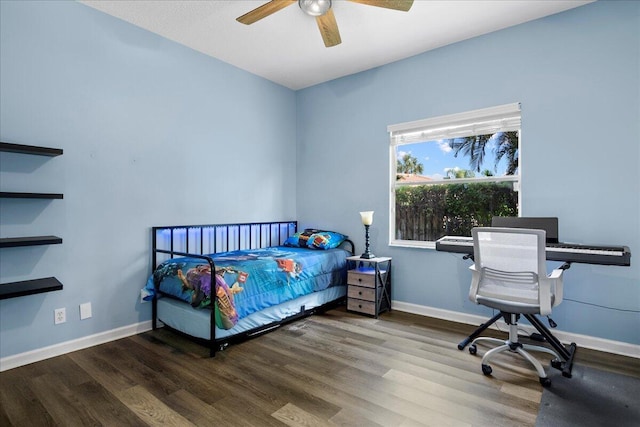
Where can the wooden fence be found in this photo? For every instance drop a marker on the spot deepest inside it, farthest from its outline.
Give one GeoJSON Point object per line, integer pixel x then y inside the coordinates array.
{"type": "Point", "coordinates": [428, 212]}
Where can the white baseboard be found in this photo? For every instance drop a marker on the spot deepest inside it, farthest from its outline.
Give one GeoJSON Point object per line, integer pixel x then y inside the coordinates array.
{"type": "Point", "coordinates": [39, 354]}
{"type": "Point", "coordinates": [594, 343]}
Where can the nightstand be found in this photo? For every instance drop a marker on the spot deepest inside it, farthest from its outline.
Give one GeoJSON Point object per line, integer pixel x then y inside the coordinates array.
{"type": "Point", "coordinates": [369, 285]}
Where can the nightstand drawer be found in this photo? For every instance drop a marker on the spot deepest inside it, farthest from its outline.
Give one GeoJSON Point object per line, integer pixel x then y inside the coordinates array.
{"type": "Point", "coordinates": [360, 279]}
{"type": "Point", "coordinates": [368, 294]}
{"type": "Point", "coordinates": [361, 306]}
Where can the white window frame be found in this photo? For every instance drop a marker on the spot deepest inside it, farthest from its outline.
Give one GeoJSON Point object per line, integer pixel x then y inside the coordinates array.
{"type": "Point", "coordinates": [484, 121]}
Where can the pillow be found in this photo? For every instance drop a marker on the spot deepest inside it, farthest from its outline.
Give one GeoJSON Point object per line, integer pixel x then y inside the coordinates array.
{"type": "Point", "coordinates": [299, 239]}
{"type": "Point", "coordinates": [326, 240]}
{"type": "Point", "coordinates": [315, 239]}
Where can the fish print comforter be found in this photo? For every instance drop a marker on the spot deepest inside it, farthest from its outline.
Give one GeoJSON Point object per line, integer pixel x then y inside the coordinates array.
{"type": "Point", "coordinates": [248, 281]}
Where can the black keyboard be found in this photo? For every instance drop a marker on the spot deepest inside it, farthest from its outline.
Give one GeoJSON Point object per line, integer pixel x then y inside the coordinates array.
{"type": "Point", "coordinates": [566, 252]}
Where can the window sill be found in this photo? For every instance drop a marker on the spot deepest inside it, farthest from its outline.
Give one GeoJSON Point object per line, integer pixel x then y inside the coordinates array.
{"type": "Point", "coordinates": [412, 244]}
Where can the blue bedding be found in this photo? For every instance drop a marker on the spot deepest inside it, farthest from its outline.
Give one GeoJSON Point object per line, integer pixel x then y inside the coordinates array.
{"type": "Point", "coordinates": [248, 281]}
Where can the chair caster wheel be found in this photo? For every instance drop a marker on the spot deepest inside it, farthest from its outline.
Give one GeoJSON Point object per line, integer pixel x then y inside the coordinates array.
{"type": "Point", "coordinates": [486, 369]}
{"type": "Point", "coordinates": [546, 382]}
{"type": "Point", "coordinates": [473, 349]}
{"type": "Point", "coordinates": [557, 364]}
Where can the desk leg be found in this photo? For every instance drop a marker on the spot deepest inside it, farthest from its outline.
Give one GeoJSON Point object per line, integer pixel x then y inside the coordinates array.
{"type": "Point", "coordinates": [478, 331]}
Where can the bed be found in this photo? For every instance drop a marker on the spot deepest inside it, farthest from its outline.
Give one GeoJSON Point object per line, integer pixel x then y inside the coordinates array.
{"type": "Point", "coordinates": [224, 283]}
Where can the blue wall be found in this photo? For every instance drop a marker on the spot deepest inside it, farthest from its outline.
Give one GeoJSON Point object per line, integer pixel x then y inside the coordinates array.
{"type": "Point", "coordinates": [577, 76]}
{"type": "Point", "coordinates": [153, 134]}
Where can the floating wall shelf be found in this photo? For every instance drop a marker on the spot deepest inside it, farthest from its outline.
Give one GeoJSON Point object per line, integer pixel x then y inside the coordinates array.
{"type": "Point", "coordinates": [30, 149]}
{"type": "Point", "coordinates": [13, 242]}
{"type": "Point", "coordinates": [35, 286]}
{"type": "Point", "coordinates": [29, 287]}
{"type": "Point", "coordinates": [16, 195]}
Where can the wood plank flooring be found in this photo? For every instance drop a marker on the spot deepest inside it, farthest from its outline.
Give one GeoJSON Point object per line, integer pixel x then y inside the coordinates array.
{"type": "Point", "coordinates": [336, 369]}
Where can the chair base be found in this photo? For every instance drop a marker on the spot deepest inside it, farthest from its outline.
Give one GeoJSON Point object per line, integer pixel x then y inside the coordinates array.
{"type": "Point", "coordinates": [566, 353]}
{"type": "Point", "coordinates": [512, 345]}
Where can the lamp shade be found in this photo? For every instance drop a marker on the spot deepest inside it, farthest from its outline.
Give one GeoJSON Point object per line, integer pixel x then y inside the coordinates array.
{"type": "Point", "coordinates": [367, 217]}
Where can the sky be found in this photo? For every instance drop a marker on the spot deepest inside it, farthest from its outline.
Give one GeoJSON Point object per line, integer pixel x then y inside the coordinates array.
{"type": "Point", "coordinates": [437, 157]}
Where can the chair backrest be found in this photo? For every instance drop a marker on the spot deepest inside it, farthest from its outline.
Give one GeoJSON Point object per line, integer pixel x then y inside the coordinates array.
{"type": "Point", "coordinates": [510, 267]}
{"type": "Point", "coordinates": [510, 249]}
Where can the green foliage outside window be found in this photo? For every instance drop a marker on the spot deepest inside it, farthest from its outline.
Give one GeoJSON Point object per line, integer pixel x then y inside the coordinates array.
{"type": "Point", "coordinates": [429, 212]}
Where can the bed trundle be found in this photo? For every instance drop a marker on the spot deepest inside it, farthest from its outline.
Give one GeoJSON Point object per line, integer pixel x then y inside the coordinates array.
{"type": "Point", "coordinates": [225, 283]}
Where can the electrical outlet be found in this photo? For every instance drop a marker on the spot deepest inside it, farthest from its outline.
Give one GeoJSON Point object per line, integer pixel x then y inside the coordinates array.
{"type": "Point", "coordinates": [85, 310]}
{"type": "Point", "coordinates": [59, 316]}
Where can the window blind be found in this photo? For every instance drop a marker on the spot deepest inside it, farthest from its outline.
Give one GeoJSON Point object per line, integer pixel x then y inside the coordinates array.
{"type": "Point", "coordinates": [502, 118]}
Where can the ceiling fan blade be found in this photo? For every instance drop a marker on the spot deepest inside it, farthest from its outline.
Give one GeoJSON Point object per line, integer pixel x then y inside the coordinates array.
{"type": "Point", "coordinates": [329, 29]}
{"type": "Point", "coordinates": [263, 11]}
{"type": "Point", "coordinates": [403, 5]}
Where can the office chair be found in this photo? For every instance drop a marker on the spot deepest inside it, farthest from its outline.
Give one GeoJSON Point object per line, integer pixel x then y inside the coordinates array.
{"type": "Point", "coordinates": [509, 274]}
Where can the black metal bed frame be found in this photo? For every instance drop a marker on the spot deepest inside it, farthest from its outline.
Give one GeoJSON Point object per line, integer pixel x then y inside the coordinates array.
{"type": "Point", "coordinates": [232, 237]}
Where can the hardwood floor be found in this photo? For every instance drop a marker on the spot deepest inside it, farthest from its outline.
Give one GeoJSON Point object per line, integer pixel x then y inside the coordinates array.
{"type": "Point", "coordinates": [332, 369]}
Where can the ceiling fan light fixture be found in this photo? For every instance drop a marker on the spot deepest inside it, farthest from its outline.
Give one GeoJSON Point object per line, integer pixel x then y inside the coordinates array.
{"type": "Point", "coordinates": [315, 7]}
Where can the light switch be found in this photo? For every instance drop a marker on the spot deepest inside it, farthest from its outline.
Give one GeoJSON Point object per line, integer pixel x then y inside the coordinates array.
{"type": "Point", "coordinates": [85, 310]}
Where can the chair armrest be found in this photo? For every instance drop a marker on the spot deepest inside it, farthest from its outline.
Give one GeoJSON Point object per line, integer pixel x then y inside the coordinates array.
{"type": "Point", "coordinates": [475, 281]}
{"type": "Point", "coordinates": [548, 286]}
{"type": "Point", "coordinates": [556, 280]}
{"type": "Point", "coordinates": [556, 274]}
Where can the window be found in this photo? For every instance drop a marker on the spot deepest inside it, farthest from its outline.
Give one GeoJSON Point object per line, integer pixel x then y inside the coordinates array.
{"type": "Point", "coordinates": [452, 173]}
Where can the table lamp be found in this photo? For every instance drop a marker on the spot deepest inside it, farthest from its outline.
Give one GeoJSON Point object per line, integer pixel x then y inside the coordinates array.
{"type": "Point", "coordinates": [367, 220]}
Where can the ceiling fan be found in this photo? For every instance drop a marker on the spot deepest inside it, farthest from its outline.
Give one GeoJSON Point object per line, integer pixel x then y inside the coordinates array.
{"type": "Point", "coordinates": [322, 11]}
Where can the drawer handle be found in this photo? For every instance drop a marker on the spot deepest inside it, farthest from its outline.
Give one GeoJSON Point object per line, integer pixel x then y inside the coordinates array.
{"type": "Point", "coordinates": [359, 280]}
{"type": "Point", "coordinates": [359, 305]}
{"type": "Point", "coordinates": [359, 292]}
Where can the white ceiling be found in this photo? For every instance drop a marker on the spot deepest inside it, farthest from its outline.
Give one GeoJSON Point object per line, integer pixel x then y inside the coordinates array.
{"type": "Point", "coordinates": [287, 48]}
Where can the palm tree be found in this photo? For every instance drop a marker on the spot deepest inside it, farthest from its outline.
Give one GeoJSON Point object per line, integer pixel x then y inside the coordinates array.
{"type": "Point", "coordinates": [409, 164]}
{"type": "Point", "coordinates": [459, 173]}
{"type": "Point", "coordinates": [475, 148]}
